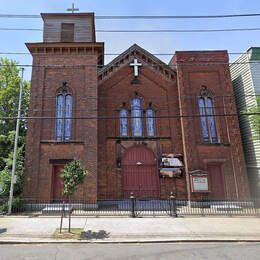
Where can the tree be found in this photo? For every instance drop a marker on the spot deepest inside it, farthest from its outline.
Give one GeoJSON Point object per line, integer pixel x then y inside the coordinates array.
{"type": "Point", "coordinates": [5, 181]}
{"type": "Point", "coordinates": [73, 174]}
{"type": "Point", "coordinates": [9, 96]}
{"type": "Point", "coordinates": [5, 174]}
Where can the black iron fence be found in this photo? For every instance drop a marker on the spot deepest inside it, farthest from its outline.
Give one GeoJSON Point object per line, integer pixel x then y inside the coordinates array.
{"type": "Point", "coordinates": [136, 207]}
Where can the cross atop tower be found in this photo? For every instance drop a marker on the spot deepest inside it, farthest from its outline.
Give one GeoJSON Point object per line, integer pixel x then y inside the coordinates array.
{"type": "Point", "coordinates": [72, 9]}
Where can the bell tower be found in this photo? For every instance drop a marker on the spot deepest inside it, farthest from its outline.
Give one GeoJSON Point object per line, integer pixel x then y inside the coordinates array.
{"type": "Point", "coordinates": [62, 123]}
{"type": "Point", "coordinates": [68, 27]}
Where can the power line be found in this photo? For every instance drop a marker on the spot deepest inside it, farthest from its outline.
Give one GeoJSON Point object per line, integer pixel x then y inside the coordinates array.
{"type": "Point", "coordinates": [118, 117]}
{"type": "Point", "coordinates": [148, 98]}
{"type": "Point", "coordinates": [20, 29]}
{"type": "Point", "coordinates": [19, 16]}
{"type": "Point", "coordinates": [115, 54]}
{"type": "Point", "coordinates": [175, 16]}
{"type": "Point", "coordinates": [180, 64]}
{"type": "Point", "coordinates": [179, 31]}
{"type": "Point", "coordinates": [146, 17]}
{"type": "Point", "coordinates": [241, 112]}
{"type": "Point", "coordinates": [149, 31]}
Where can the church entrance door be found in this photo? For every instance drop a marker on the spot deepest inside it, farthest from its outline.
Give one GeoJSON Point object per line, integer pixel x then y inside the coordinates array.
{"type": "Point", "coordinates": [217, 183]}
{"type": "Point", "coordinates": [140, 174]}
{"type": "Point", "coordinates": [57, 183]}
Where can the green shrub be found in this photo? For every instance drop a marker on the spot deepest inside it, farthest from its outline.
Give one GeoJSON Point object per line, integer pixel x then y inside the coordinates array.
{"type": "Point", "coordinates": [17, 205]}
{"type": "Point", "coordinates": [4, 207]}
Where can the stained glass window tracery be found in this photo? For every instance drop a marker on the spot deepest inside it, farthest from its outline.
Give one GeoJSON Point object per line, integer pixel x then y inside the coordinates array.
{"type": "Point", "coordinates": [136, 113]}
{"type": "Point", "coordinates": [63, 115]}
{"type": "Point", "coordinates": [207, 118]}
{"type": "Point", "coordinates": [150, 125]}
{"type": "Point", "coordinates": [123, 122]}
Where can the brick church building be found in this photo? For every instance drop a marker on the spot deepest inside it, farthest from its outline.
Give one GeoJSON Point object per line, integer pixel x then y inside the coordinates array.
{"type": "Point", "coordinates": [137, 124]}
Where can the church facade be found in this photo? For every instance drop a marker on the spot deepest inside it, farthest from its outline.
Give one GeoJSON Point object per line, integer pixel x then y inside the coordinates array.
{"type": "Point", "coordinates": [140, 126]}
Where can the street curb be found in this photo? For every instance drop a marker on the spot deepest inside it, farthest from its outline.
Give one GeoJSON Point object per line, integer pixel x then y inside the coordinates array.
{"type": "Point", "coordinates": [2, 242]}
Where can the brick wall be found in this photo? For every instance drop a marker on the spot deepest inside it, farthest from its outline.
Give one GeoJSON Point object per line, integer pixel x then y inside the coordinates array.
{"type": "Point", "coordinates": [97, 142]}
{"type": "Point", "coordinates": [40, 143]}
{"type": "Point", "coordinates": [210, 69]}
{"type": "Point", "coordinates": [113, 91]}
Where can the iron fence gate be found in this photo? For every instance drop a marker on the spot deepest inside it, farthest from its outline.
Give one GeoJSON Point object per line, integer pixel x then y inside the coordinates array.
{"type": "Point", "coordinates": [137, 207]}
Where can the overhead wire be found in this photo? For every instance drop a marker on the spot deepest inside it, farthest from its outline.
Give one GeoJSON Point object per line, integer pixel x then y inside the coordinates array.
{"type": "Point", "coordinates": [149, 17]}
{"type": "Point", "coordinates": [195, 63]}
{"type": "Point", "coordinates": [117, 117]}
{"type": "Point", "coordinates": [115, 54]}
{"type": "Point", "coordinates": [138, 31]}
{"type": "Point", "coordinates": [170, 99]}
{"type": "Point", "coordinates": [148, 31]}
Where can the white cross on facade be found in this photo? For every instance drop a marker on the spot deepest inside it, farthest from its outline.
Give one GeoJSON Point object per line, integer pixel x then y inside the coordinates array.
{"type": "Point", "coordinates": [135, 65]}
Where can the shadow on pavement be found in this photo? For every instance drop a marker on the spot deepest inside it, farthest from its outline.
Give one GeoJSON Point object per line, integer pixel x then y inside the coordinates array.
{"type": "Point", "coordinates": [94, 235]}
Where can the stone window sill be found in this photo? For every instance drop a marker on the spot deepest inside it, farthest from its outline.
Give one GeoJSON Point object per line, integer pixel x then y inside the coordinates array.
{"type": "Point", "coordinates": [137, 138]}
{"type": "Point", "coordinates": [214, 144]}
{"type": "Point", "coordinates": [64, 143]}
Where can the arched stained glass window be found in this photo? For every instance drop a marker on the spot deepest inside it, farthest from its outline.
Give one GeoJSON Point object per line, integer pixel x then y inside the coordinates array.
{"type": "Point", "coordinates": [211, 120]}
{"type": "Point", "coordinates": [59, 117]}
{"type": "Point", "coordinates": [123, 122]}
{"type": "Point", "coordinates": [63, 116]}
{"type": "Point", "coordinates": [150, 122]}
{"type": "Point", "coordinates": [203, 119]}
{"type": "Point", "coordinates": [208, 124]}
{"type": "Point", "coordinates": [68, 114]}
{"type": "Point", "coordinates": [136, 113]}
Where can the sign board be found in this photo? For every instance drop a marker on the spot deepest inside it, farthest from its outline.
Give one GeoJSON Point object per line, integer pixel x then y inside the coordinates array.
{"type": "Point", "coordinates": [199, 182]}
{"type": "Point", "coordinates": [170, 172]}
{"type": "Point", "coordinates": [171, 166]}
{"type": "Point", "coordinates": [174, 162]}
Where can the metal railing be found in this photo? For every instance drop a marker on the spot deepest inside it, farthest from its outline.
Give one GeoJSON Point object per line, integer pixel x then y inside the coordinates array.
{"type": "Point", "coordinates": [137, 207]}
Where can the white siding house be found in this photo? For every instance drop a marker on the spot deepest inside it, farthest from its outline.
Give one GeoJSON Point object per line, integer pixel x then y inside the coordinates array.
{"type": "Point", "coordinates": [245, 74]}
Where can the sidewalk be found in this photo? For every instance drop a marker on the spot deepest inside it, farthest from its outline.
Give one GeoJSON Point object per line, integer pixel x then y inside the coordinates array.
{"type": "Point", "coordinates": [20, 229]}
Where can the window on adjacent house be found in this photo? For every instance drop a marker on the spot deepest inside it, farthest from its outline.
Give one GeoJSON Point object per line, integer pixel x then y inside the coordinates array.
{"type": "Point", "coordinates": [63, 116]}
{"type": "Point", "coordinates": [207, 119]}
{"type": "Point", "coordinates": [67, 32]}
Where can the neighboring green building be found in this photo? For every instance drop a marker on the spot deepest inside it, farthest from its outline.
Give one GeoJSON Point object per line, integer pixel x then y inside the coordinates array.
{"type": "Point", "coordinates": [245, 74]}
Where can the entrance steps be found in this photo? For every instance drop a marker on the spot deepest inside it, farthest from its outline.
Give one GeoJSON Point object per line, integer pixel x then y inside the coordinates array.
{"type": "Point", "coordinates": [57, 208]}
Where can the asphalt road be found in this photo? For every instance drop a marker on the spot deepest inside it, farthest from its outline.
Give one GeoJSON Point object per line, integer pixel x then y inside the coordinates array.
{"type": "Point", "coordinates": [132, 251]}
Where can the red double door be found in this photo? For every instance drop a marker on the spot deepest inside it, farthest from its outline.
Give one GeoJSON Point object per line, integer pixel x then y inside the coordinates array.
{"type": "Point", "coordinates": [140, 174]}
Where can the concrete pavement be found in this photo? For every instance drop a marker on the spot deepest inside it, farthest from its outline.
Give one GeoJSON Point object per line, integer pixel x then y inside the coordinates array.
{"type": "Point", "coordinates": [115, 229]}
{"type": "Point", "coordinates": [151, 251]}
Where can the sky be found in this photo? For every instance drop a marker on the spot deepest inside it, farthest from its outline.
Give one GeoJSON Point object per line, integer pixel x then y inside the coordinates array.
{"type": "Point", "coordinates": [13, 41]}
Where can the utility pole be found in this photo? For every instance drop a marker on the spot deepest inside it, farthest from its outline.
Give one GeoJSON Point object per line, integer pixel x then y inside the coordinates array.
{"type": "Point", "coordinates": [15, 145]}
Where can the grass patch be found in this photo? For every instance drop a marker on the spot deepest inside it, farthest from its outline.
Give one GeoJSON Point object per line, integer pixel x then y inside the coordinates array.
{"type": "Point", "coordinates": [75, 233]}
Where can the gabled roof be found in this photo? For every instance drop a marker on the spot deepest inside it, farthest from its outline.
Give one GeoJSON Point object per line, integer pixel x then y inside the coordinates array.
{"type": "Point", "coordinates": [127, 56]}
